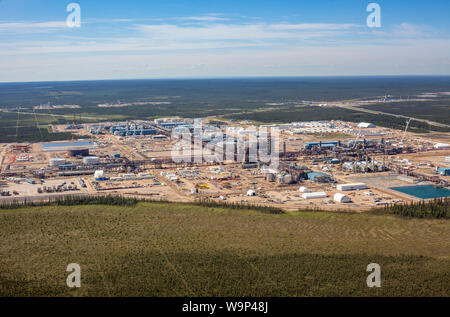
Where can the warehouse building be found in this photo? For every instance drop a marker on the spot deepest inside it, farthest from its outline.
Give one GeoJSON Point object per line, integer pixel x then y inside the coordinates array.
{"type": "Point", "coordinates": [315, 195]}
{"type": "Point", "coordinates": [441, 146]}
{"type": "Point", "coordinates": [366, 125]}
{"type": "Point", "coordinates": [330, 144]}
{"type": "Point", "coordinates": [341, 198]}
{"type": "Point", "coordinates": [348, 187]}
{"type": "Point", "coordinates": [320, 177]}
{"type": "Point", "coordinates": [54, 162]}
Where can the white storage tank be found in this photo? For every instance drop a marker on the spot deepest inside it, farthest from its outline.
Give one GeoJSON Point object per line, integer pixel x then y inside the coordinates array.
{"type": "Point", "coordinates": [91, 160]}
{"type": "Point", "coordinates": [57, 161]}
{"type": "Point", "coordinates": [251, 193]}
{"type": "Point", "coordinates": [303, 189]}
{"type": "Point", "coordinates": [99, 175]}
{"type": "Point", "coordinates": [341, 198]}
{"type": "Point", "coordinates": [314, 195]}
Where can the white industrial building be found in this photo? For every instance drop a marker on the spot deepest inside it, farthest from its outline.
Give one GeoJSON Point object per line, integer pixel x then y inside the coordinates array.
{"type": "Point", "coordinates": [341, 198]}
{"type": "Point", "coordinates": [91, 160]}
{"type": "Point", "coordinates": [366, 125]}
{"type": "Point", "coordinates": [355, 186]}
{"type": "Point", "coordinates": [57, 162]}
{"type": "Point", "coordinates": [315, 195]}
{"type": "Point", "coordinates": [440, 146]}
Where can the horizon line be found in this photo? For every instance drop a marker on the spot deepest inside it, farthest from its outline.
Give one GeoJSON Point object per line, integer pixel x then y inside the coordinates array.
{"type": "Point", "coordinates": [225, 77]}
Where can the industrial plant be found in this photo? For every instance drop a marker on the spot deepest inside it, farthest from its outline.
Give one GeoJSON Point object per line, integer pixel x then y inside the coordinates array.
{"type": "Point", "coordinates": [326, 164]}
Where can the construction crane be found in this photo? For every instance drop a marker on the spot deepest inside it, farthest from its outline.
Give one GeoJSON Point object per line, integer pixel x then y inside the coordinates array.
{"type": "Point", "coordinates": [406, 129]}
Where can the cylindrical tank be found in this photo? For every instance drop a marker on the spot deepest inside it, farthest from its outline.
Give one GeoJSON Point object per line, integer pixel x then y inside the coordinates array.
{"type": "Point", "coordinates": [99, 175]}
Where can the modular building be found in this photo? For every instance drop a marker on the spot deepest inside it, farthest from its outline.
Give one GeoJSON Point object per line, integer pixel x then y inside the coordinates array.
{"type": "Point", "coordinates": [348, 187]}
{"type": "Point", "coordinates": [78, 152]}
{"type": "Point", "coordinates": [315, 195]}
{"type": "Point", "coordinates": [129, 176]}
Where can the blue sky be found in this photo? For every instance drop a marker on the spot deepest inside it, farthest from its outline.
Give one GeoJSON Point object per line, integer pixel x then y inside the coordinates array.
{"type": "Point", "coordinates": [228, 38]}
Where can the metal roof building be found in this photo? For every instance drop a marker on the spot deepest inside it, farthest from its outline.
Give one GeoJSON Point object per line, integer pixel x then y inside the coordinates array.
{"type": "Point", "coordinates": [341, 198]}
{"type": "Point", "coordinates": [366, 125]}
{"type": "Point", "coordinates": [444, 171]}
{"type": "Point", "coordinates": [314, 176]}
{"type": "Point", "coordinates": [314, 195]}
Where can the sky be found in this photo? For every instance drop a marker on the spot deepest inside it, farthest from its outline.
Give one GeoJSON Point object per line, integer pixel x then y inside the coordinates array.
{"type": "Point", "coordinates": [218, 39]}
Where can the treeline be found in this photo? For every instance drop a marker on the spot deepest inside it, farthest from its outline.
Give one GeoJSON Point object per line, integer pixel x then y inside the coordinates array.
{"type": "Point", "coordinates": [31, 134]}
{"type": "Point", "coordinates": [436, 110]}
{"type": "Point", "coordinates": [73, 200]}
{"type": "Point", "coordinates": [438, 208]}
{"type": "Point", "coordinates": [241, 206]}
{"type": "Point", "coordinates": [310, 113]}
{"type": "Point", "coordinates": [116, 200]}
{"type": "Point", "coordinates": [434, 209]}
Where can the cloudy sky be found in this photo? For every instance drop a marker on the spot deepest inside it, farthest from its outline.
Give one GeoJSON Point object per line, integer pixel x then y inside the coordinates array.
{"type": "Point", "coordinates": [227, 38]}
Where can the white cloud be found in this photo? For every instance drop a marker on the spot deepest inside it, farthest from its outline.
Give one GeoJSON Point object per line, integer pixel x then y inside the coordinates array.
{"type": "Point", "coordinates": [248, 32]}
{"type": "Point", "coordinates": [32, 26]}
{"type": "Point", "coordinates": [313, 26]}
{"type": "Point", "coordinates": [212, 48]}
{"type": "Point", "coordinates": [392, 59]}
{"type": "Point", "coordinates": [208, 18]}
